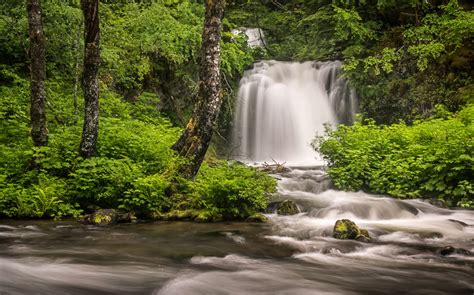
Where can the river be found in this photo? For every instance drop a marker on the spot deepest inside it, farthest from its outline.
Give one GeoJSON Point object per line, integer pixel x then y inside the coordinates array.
{"type": "Point", "coordinates": [288, 255]}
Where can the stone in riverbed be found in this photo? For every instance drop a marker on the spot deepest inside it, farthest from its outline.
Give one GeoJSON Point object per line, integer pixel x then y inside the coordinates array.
{"type": "Point", "coordinates": [345, 229]}
{"type": "Point", "coordinates": [448, 250]}
{"type": "Point", "coordinates": [288, 207]}
{"type": "Point", "coordinates": [257, 217]}
{"type": "Point", "coordinates": [108, 217]}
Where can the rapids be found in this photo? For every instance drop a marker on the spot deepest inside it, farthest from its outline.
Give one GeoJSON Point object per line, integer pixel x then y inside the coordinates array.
{"type": "Point", "coordinates": [288, 255]}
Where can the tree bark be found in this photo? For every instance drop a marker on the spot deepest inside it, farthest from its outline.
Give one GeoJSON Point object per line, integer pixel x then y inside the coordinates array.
{"type": "Point", "coordinates": [39, 130]}
{"type": "Point", "coordinates": [196, 138]}
{"type": "Point", "coordinates": [90, 131]}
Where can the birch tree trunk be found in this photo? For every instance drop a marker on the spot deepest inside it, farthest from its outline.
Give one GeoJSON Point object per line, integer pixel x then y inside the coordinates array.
{"type": "Point", "coordinates": [90, 131]}
{"type": "Point", "coordinates": [39, 130]}
{"type": "Point", "coordinates": [196, 138]}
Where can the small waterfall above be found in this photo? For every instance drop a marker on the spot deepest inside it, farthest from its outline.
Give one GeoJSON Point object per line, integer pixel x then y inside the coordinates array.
{"type": "Point", "coordinates": [255, 36]}
{"type": "Point", "coordinates": [281, 106]}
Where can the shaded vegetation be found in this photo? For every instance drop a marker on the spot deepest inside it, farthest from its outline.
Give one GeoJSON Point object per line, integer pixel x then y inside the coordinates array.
{"type": "Point", "coordinates": [149, 53]}
{"type": "Point", "coordinates": [134, 169]}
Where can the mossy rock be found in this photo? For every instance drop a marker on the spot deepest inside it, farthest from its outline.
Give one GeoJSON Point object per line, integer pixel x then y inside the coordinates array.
{"type": "Point", "coordinates": [257, 217]}
{"type": "Point", "coordinates": [288, 207]}
{"type": "Point", "coordinates": [181, 215]}
{"type": "Point", "coordinates": [105, 217]}
{"type": "Point", "coordinates": [204, 216]}
{"type": "Point", "coordinates": [345, 229]}
{"type": "Point", "coordinates": [190, 215]}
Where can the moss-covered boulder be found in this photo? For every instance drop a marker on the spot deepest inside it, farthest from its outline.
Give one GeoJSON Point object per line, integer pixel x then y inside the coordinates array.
{"type": "Point", "coordinates": [108, 217]}
{"type": "Point", "coordinates": [345, 229]}
{"type": "Point", "coordinates": [197, 215]}
{"type": "Point", "coordinates": [257, 217]}
{"type": "Point", "coordinates": [288, 207]}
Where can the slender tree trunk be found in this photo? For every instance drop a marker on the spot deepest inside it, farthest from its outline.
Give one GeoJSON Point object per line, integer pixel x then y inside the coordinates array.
{"type": "Point", "coordinates": [39, 130]}
{"type": "Point", "coordinates": [195, 139]}
{"type": "Point", "coordinates": [77, 69]}
{"type": "Point", "coordinates": [90, 131]}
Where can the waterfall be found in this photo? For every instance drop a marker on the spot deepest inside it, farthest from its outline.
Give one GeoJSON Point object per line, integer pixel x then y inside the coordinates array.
{"type": "Point", "coordinates": [255, 36]}
{"type": "Point", "coordinates": [281, 106]}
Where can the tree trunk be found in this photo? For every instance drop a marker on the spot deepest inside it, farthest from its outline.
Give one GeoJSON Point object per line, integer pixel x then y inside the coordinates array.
{"type": "Point", "coordinates": [90, 131]}
{"type": "Point", "coordinates": [195, 139]}
{"type": "Point", "coordinates": [77, 69]}
{"type": "Point", "coordinates": [39, 130]}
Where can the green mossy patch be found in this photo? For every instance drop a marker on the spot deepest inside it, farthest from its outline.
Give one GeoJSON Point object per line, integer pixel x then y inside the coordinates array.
{"type": "Point", "coordinates": [345, 229]}
{"type": "Point", "coordinates": [288, 207]}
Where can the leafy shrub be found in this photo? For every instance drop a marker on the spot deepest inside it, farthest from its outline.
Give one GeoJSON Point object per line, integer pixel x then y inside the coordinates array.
{"type": "Point", "coordinates": [44, 199]}
{"type": "Point", "coordinates": [143, 143]}
{"type": "Point", "coordinates": [102, 181]}
{"type": "Point", "coordinates": [431, 158]}
{"type": "Point", "coordinates": [148, 194]}
{"type": "Point", "coordinates": [234, 191]}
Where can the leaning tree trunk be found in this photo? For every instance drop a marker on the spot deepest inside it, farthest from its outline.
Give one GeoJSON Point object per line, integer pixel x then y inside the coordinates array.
{"type": "Point", "coordinates": [195, 139]}
{"type": "Point", "coordinates": [39, 131]}
{"type": "Point", "coordinates": [90, 131]}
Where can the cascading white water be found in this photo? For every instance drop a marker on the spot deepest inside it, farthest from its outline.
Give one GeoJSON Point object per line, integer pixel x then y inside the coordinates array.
{"type": "Point", "coordinates": [255, 36]}
{"type": "Point", "coordinates": [281, 106]}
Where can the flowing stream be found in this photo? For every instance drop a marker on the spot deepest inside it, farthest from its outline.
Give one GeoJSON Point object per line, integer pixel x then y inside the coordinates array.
{"type": "Point", "coordinates": [287, 255]}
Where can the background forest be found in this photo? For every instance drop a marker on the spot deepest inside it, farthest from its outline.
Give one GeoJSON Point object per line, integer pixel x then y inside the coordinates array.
{"type": "Point", "coordinates": [408, 61]}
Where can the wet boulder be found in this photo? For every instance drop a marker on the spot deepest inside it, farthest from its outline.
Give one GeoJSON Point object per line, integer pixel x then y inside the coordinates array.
{"type": "Point", "coordinates": [108, 217]}
{"type": "Point", "coordinates": [461, 223]}
{"type": "Point", "coordinates": [257, 217]}
{"type": "Point", "coordinates": [345, 229]}
{"type": "Point", "coordinates": [449, 250]}
{"type": "Point", "coordinates": [272, 207]}
{"type": "Point", "coordinates": [288, 207]}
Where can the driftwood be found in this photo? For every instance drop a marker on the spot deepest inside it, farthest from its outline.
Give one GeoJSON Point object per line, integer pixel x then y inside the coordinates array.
{"type": "Point", "coordinates": [273, 168]}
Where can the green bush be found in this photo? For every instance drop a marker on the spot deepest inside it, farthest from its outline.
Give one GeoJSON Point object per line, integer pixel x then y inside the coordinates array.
{"type": "Point", "coordinates": [233, 191]}
{"type": "Point", "coordinates": [46, 198]}
{"type": "Point", "coordinates": [102, 181]}
{"type": "Point", "coordinates": [148, 194]}
{"type": "Point", "coordinates": [431, 158]}
{"type": "Point", "coordinates": [146, 144]}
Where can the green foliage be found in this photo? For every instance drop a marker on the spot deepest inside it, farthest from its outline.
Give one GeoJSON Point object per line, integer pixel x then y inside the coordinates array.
{"type": "Point", "coordinates": [146, 144]}
{"type": "Point", "coordinates": [147, 194]}
{"type": "Point", "coordinates": [43, 199]}
{"type": "Point", "coordinates": [135, 169]}
{"type": "Point", "coordinates": [439, 33]}
{"type": "Point", "coordinates": [176, 39]}
{"type": "Point", "coordinates": [233, 190]}
{"type": "Point", "coordinates": [431, 158]}
{"type": "Point", "coordinates": [102, 181]}
{"type": "Point", "coordinates": [414, 67]}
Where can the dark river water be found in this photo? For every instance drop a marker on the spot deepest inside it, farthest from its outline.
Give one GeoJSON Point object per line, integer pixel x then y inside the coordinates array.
{"type": "Point", "coordinates": [288, 255]}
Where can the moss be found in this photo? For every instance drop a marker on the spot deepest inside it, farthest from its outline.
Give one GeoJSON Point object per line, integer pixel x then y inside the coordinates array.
{"type": "Point", "coordinates": [363, 236]}
{"type": "Point", "coordinates": [288, 207]}
{"type": "Point", "coordinates": [204, 216]}
{"type": "Point", "coordinates": [257, 217]}
{"type": "Point", "coordinates": [101, 219]}
{"type": "Point", "coordinates": [188, 214]}
{"type": "Point", "coordinates": [345, 229]}
{"type": "Point", "coordinates": [340, 226]}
